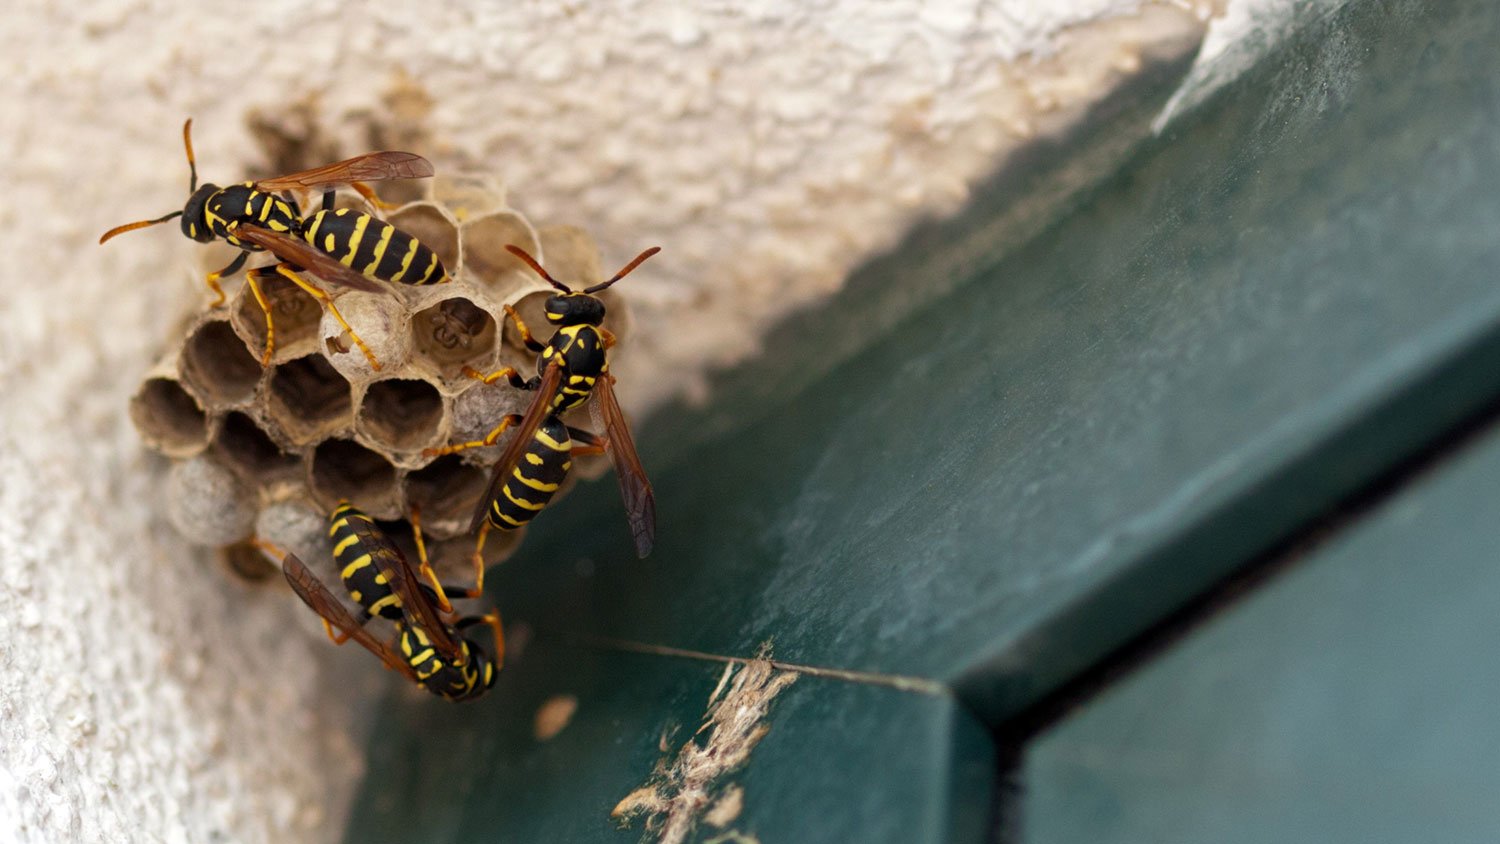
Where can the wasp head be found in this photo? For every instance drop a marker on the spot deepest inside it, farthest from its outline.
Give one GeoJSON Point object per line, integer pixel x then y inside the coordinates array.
{"type": "Point", "coordinates": [195, 214]}
{"type": "Point", "coordinates": [574, 309]}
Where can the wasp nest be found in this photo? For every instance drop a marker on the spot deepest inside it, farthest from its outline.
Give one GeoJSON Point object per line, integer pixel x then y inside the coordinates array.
{"type": "Point", "coordinates": [268, 451]}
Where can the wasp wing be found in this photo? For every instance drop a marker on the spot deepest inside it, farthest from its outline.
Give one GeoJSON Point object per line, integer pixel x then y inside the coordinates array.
{"type": "Point", "coordinates": [635, 489]}
{"type": "Point", "coordinates": [541, 406]}
{"type": "Point", "coordinates": [321, 601]}
{"type": "Point", "coordinates": [415, 603]}
{"type": "Point", "coordinates": [303, 254]}
{"type": "Point", "coordinates": [370, 167]}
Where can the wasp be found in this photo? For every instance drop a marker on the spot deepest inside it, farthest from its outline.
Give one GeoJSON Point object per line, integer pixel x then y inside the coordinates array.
{"type": "Point", "coordinates": [572, 366]}
{"type": "Point", "coordinates": [343, 247]}
{"type": "Point", "coordinates": [429, 650]}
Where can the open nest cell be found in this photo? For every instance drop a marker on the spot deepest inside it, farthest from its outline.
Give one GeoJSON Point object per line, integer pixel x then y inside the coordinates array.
{"type": "Point", "coordinates": [168, 418]}
{"type": "Point", "coordinates": [217, 367]}
{"type": "Point", "coordinates": [294, 312]}
{"type": "Point", "coordinates": [287, 442]}
{"type": "Point", "coordinates": [401, 414]}
{"type": "Point", "coordinates": [454, 333]}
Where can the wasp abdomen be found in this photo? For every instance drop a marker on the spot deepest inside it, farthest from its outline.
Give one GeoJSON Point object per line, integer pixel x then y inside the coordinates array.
{"type": "Point", "coordinates": [467, 677]}
{"type": "Point", "coordinates": [362, 553]}
{"type": "Point", "coordinates": [535, 479]}
{"type": "Point", "coordinates": [373, 247]}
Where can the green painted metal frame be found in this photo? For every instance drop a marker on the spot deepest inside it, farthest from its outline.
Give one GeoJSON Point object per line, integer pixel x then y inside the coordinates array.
{"type": "Point", "coordinates": [1284, 296]}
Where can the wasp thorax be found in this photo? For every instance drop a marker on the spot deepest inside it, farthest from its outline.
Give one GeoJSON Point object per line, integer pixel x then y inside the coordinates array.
{"type": "Point", "coordinates": [195, 214]}
{"type": "Point", "coordinates": [574, 309]}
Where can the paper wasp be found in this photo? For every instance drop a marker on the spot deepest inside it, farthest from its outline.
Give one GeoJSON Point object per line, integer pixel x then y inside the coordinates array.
{"type": "Point", "coordinates": [428, 649]}
{"type": "Point", "coordinates": [343, 247]}
{"type": "Point", "coordinates": [571, 366]}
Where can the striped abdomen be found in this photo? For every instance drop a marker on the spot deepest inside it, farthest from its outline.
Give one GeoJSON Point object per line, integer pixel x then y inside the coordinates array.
{"type": "Point", "coordinates": [372, 247]}
{"type": "Point", "coordinates": [537, 475]}
{"type": "Point", "coordinates": [363, 554]}
{"type": "Point", "coordinates": [467, 677]}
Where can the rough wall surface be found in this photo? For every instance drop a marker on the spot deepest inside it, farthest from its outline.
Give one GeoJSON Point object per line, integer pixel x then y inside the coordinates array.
{"type": "Point", "coordinates": [770, 148]}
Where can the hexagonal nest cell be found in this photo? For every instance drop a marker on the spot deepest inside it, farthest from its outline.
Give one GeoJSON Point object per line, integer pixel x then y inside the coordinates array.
{"type": "Point", "coordinates": [169, 419]}
{"type": "Point", "coordinates": [447, 490]}
{"type": "Point", "coordinates": [345, 470]}
{"type": "Point", "coordinates": [307, 399]}
{"type": "Point", "coordinates": [289, 440]}
{"type": "Point", "coordinates": [454, 333]}
{"type": "Point", "coordinates": [217, 367]}
{"type": "Point", "coordinates": [245, 448]}
{"type": "Point", "coordinates": [294, 312]}
{"type": "Point", "coordinates": [401, 414]}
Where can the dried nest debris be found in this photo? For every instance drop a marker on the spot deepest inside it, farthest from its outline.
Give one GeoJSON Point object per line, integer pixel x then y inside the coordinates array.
{"type": "Point", "coordinates": [686, 788]}
{"type": "Point", "coordinates": [268, 451]}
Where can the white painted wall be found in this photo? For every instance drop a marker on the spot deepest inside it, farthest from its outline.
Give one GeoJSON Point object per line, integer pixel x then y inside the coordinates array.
{"type": "Point", "coordinates": [769, 147]}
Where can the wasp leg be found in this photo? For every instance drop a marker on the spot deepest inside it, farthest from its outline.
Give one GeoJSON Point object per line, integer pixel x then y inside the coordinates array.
{"type": "Point", "coordinates": [588, 443]}
{"type": "Point", "coordinates": [489, 439]}
{"type": "Point", "coordinates": [531, 342]}
{"type": "Point", "coordinates": [341, 638]}
{"type": "Point", "coordinates": [253, 278]}
{"type": "Point", "coordinates": [327, 302]}
{"type": "Point", "coordinates": [291, 199]}
{"type": "Point", "coordinates": [484, 533]}
{"type": "Point", "coordinates": [336, 638]}
{"type": "Point", "coordinates": [491, 618]}
{"type": "Point", "coordinates": [376, 202]}
{"type": "Point", "coordinates": [478, 589]}
{"type": "Point", "coordinates": [212, 280]}
{"type": "Point", "coordinates": [424, 568]}
{"type": "Point", "coordinates": [269, 547]}
{"type": "Point", "coordinates": [609, 337]}
{"type": "Point", "coordinates": [508, 373]}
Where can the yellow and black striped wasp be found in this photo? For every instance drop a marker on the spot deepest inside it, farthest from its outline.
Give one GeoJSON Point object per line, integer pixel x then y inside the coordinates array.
{"type": "Point", "coordinates": [341, 246]}
{"type": "Point", "coordinates": [429, 649]}
{"type": "Point", "coordinates": [571, 366]}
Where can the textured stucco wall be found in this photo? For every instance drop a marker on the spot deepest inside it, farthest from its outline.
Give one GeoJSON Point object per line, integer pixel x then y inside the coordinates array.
{"type": "Point", "coordinates": [769, 147]}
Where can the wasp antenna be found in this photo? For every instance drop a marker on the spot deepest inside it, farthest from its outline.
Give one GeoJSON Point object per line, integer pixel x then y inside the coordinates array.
{"type": "Point", "coordinates": [531, 262]}
{"type": "Point", "coordinates": [625, 270]}
{"type": "Point", "coordinates": [130, 227]}
{"type": "Point", "coordinates": [187, 142]}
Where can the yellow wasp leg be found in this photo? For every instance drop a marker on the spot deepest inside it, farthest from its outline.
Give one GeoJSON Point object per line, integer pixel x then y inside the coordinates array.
{"type": "Point", "coordinates": [252, 278]}
{"type": "Point", "coordinates": [368, 193]}
{"type": "Point", "coordinates": [531, 342]}
{"type": "Point", "coordinates": [484, 532]}
{"type": "Point", "coordinates": [425, 567]}
{"type": "Point", "coordinates": [490, 439]}
{"type": "Point", "coordinates": [212, 279]}
{"type": "Point", "coordinates": [327, 302]}
{"type": "Point", "coordinates": [508, 373]}
{"type": "Point", "coordinates": [492, 618]}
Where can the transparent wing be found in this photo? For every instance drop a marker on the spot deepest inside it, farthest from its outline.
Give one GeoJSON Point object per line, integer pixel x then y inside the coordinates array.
{"type": "Point", "coordinates": [370, 167]}
{"type": "Point", "coordinates": [635, 488]}
{"type": "Point", "coordinates": [316, 596]}
{"type": "Point", "coordinates": [417, 607]}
